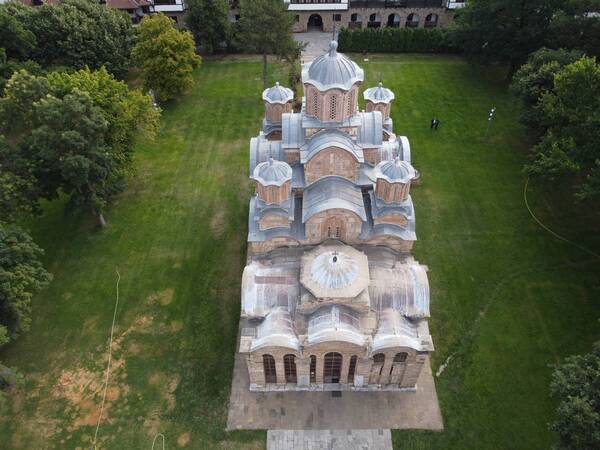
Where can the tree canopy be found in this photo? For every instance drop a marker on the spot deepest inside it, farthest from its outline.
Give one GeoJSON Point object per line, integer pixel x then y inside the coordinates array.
{"type": "Point", "coordinates": [166, 55]}
{"type": "Point", "coordinates": [576, 386]}
{"type": "Point", "coordinates": [74, 33]}
{"type": "Point", "coordinates": [78, 132]}
{"type": "Point", "coordinates": [209, 22]}
{"type": "Point", "coordinates": [21, 276]}
{"type": "Point", "coordinates": [265, 27]}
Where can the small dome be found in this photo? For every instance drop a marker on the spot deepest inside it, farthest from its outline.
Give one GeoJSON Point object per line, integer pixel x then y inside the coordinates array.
{"type": "Point", "coordinates": [379, 94]}
{"type": "Point", "coordinates": [395, 171]}
{"type": "Point", "coordinates": [272, 173]}
{"type": "Point", "coordinates": [334, 270]}
{"type": "Point", "coordinates": [332, 70]}
{"type": "Point", "coordinates": [278, 94]}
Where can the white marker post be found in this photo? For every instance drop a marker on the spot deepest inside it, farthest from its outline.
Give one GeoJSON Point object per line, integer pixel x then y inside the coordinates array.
{"type": "Point", "coordinates": [490, 118]}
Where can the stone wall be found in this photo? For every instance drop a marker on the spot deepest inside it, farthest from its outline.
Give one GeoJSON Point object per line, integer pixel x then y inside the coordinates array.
{"type": "Point", "coordinates": [273, 221]}
{"type": "Point", "coordinates": [333, 223]}
{"type": "Point", "coordinates": [400, 372]}
{"type": "Point", "coordinates": [331, 161]}
{"type": "Point", "coordinates": [273, 111]}
{"type": "Point", "coordinates": [392, 192]}
{"type": "Point", "coordinates": [273, 194]}
{"type": "Point", "coordinates": [333, 105]}
{"type": "Point", "coordinates": [301, 25]}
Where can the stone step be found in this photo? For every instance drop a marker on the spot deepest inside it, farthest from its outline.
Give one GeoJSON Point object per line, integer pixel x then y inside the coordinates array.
{"type": "Point", "coordinates": [377, 439]}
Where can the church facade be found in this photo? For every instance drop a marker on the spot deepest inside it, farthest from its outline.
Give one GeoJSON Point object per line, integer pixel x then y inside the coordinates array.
{"type": "Point", "coordinates": [331, 297]}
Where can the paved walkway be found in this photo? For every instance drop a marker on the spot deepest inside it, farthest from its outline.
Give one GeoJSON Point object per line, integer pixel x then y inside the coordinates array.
{"type": "Point", "coordinates": [329, 440]}
{"type": "Point", "coordinates": [317, 44]}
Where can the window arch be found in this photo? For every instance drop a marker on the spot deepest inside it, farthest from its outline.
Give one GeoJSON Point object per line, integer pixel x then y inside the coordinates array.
{"type": "Point", "coordinates": [352, 368]}
{"type": "Point", "coordinates": [289, 366]}
{"type": "Point", "coordinates": [269, 369]}
{"type": "Point", "coordinates": [400, 357]}
{"type": "Point", "coordinates": [379, 358]}
{"type": "Point", "coordinates": [431, 20]}
{"type": "Point", "coordinates": [393, 20]}
{"type": "Point", "coordinates": [313, 369]}
{"type": "Point", "coordinates": [412, 21]}
{"type": "Point", "coordinates": [332, 367]}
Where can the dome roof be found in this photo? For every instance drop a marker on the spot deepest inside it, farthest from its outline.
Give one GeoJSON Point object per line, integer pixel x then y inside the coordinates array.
{"type": "Point", "coordinates": [333, 270]}
{"type": "Point", "coordinates": [379, 94]}
{"type": "Point", "coordinates": [395, 171]}
{"type": "Point", "coordinates": [272, 172]}
{"type": "Point", "coordinates": [332, 70]}
{"type": "Point", "coordinates": [278, 94]}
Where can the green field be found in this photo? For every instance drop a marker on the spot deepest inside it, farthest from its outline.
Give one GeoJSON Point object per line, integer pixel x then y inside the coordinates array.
{"type": "Point", "coordinates": [508, 299]}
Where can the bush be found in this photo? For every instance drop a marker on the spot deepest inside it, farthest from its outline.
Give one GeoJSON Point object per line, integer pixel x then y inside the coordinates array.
{"type": "Point", "coordinates": [397, 40]}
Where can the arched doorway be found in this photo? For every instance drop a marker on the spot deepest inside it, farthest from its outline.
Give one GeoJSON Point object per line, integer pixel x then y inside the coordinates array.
{"type": "Point", "coordinates": [393, 21]}
{"type": "Point", "coordinates": [332, 368]}
{"type": "Point", "coordinates": [315, 23]}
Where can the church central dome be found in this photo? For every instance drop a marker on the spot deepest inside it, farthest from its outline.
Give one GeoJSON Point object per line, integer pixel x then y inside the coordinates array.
{"type": "Point", "coordinates": [333, 70]}
{"type": "Point", "coordinates": [334, 270]}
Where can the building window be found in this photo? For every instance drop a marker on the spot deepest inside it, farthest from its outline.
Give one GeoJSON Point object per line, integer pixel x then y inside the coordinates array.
{"type": "Point", "coordinates": [379, 358]}
{"type": "Point", "coordinates": [337, 17]}
{"type": "Point", "coordinates": [333, 107]}
{"type": "Point", "coordinates": [400, 357]}
{"type": "Point", "coordinates": [352, 369]}
{"type": "Point", "coordinates": [289, 365]}
{"type": "Point", "coordinates": [315, 103]}
{"type": "Point", "coordinates": [269, 369]}
{"type": "Point", "coordinates": [332, 368]}
{"type": "Point", "coordinates": [297, 18]}
{"type": "Point", "coordinates": [313, 369]}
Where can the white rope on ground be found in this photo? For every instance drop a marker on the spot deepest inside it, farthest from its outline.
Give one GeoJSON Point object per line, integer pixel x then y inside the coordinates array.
{"type": "Point", "coordinates": [556, 235]}
{"type": "Point", "coordinates": [112, 330]}
{"type": "Point", "coordinates": [163, 440]}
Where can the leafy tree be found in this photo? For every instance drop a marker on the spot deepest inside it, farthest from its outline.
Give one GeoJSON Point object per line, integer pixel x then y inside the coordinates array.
{"type": "Point", "coordinates": [265, 27]}
{"type": "Point", "coordinates": [166, 55]}
{"type": "Point", "coordinates": [10, 66]}
{"type": "Point", "coordinates": [79, 131]}
{"type": "Point", "coordinates": [18, 194]}
{"type": "Point", "coordinates": [504, 31]}
{"type": "Point", "coordinates": [536, 77]}
{"type": "Point", "coordinates": [572, 28]}
{"type": "Point", "coordinates": [571, 115]}
{"type": "Point", "coordinates": [17, 41]}
{"type": "Point", "coordinates": [576, 386]}
{"type": "Point", "coordinates": [77, 33]}
{"type": "Point", "coordinates": [209, 22]}
{"type": "Point", "coordinates": [21, 276]}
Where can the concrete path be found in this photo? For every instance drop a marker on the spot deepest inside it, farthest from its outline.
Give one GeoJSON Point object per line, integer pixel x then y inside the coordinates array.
{"type": "Point", "coordinates": [317, 44]}
{"type": "Point", "coordinates": [329, 440]}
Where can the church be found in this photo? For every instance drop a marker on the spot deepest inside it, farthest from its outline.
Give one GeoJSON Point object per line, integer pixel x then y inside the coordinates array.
{"type": "Point", "coordinates": [331, 297]}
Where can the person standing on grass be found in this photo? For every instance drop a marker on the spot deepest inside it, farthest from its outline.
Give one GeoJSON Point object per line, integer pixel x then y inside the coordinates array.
{"type": "Point", "coordinates": [434, 124]}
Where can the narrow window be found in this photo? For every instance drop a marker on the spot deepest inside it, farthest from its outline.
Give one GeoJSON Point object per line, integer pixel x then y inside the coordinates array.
{"type": "Point", "coordinates": [289, 364]}
{"type": "Point", "coordinates": [313, 369]}
{"type": "Point", "coordinates": [269, 369]}
{"type": "Point", "coordinates": [315, 103]}
{"type": "Point", "coordinates": [333, 107]}
{"type": "Point", "coordinates": [352, 369]}
{"type": "Point", "coordinates": [337, 232]}
{"type": "Point", "coordinates": [332, 368]}
{"type": "Point", "coordinates": [379, 358]}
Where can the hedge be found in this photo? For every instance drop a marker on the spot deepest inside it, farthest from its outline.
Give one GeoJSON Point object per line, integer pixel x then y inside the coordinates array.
{"type": "Point", "coordinates": [397, 40]}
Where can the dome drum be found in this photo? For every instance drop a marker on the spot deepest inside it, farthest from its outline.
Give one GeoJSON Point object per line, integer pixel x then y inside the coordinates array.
{"type": "Point", "coordinates": [393, 179]}
{"type": "Point", "coordinates": [379, 99]}
{"type": "Point", "coordinates": [273, 181]}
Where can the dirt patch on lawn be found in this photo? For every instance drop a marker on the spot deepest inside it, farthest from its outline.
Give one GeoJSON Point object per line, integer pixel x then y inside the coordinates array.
{"type": "Point", "coordinates": [168, 385]}
{"type": "Point", "coordinates": [164, 297]}
{"type": "Point", "coordinates": [217, 223]}
{"type": "Point", "coordinates": [183, 439]}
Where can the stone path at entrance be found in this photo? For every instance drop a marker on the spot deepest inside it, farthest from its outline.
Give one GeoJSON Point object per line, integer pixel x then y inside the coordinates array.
{"type": "Point", "coordinates": [318, 43]}
{"type": "Point", "coordinates": [329, 440]}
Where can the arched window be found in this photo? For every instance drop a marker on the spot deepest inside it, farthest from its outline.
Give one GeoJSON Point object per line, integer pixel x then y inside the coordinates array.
{"type": "Point", "coordinates": [379, 358]}
{"type": "Point", "coordinates": [289, 365]}
{"type": "Point", "coordinates": [313, 369]}
{"type": "Point", "coordinates": [374, 21]}
{"type": "Point", "coordinates": [269, 369]}
{"type": "Point", "coordinates": [333, 107]}
{"type": "Point", "coordinates": [393, 20]}
{"type": "Point", "coordinates": [412, 21]}
{"type": "Point", "coordinates": [400, 357]}
{"type": "Point", "coordinates": [332, 368]}
{"type": "Point", "coordinates": [431, 20]}
{"type": "Point", "coordinates": [352, 369]}
{"type": "Point", "coordinates": [315, 103]}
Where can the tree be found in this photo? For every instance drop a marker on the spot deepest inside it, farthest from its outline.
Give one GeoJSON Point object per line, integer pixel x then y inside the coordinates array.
{"type": "Point", "coordinates": [78, 132]}
{"type": "Point", "coordinates": [18, 194]}
{"type": "Point", "coordinates": [576, 386]}
{"type": "Point", "coordinates": [504, 31]}
{"type": "Point", "coordinates": [265, 27]}
{"type": "Point", "coordinates": [17, 41]}
{"type": "Point", "coordinates": [76, 33]}
{"type": "Point", "coordinates": [166, 55]}
{"type": "Point", "coordinates": [536, 77]}
{"type": "Point", "coordinates": [10, 66]}
{"type": "Point", "coordinates": [209, 22]}
{"type": "Point", "coordinates": [573, 28]}
{"type": "Point", "coordinates": [21, 276]}
{"type": "Point", "coordinates": [570, 114]}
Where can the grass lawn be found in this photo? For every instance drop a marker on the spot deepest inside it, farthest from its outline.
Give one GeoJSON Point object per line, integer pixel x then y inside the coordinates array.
{"type": "Point", "coordinates": [507, 298]}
